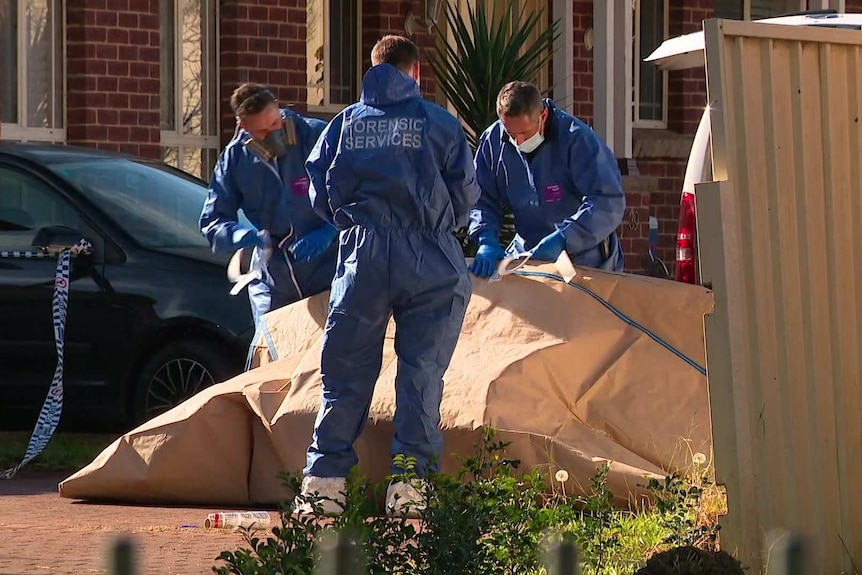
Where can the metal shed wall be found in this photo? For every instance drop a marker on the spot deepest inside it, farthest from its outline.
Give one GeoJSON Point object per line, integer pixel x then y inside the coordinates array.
{"type": "Point", "coordinates": [780, 234]}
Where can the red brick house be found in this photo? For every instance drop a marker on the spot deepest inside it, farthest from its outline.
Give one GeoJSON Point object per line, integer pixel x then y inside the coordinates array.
{"type": "Point", "coordinates": [153, 77]}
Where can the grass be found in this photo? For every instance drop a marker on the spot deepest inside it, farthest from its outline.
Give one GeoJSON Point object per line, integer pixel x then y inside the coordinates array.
{"type": "Point", "coordinates": [65, 451]}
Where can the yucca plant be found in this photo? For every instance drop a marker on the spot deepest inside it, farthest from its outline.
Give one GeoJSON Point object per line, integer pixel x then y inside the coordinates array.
{"type": "Point", "coordinates": [489, 51]}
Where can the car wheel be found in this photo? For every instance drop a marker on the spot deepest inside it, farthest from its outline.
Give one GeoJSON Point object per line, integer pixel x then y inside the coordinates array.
{"type": "Point", "coordinates": [175, 373]}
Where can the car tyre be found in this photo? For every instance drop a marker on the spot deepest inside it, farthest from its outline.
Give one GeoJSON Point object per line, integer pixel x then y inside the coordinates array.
{"type": "Point", "coordinates": [176, 372]}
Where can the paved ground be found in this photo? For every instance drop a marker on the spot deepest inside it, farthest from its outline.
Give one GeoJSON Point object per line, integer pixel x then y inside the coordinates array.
{"type": "Point", "coordinates": [42, 533]}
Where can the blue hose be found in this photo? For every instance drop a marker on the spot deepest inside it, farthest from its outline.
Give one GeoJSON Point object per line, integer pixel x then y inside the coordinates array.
{"type": "Point", "coordinates": [622, 316]}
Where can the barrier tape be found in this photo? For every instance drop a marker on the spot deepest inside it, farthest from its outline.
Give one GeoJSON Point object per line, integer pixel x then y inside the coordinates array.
{"type": "Point", "coordinates": [49, 416]}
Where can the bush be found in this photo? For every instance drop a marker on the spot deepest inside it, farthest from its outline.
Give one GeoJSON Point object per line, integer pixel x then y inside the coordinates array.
{"type": "Point", "coordinates": [692, 561]}
{"type": "Point", "coordinates": [487, 519]}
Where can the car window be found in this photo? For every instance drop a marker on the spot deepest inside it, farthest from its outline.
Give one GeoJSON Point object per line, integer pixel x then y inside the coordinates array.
{"type": "Point", "coordinates": [28, 204]}
{"type": "Point", "coordinates": [157, 207]}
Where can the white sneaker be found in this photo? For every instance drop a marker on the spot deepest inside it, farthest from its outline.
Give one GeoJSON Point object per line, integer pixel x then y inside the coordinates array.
{"type": "Point", "coordinates": [330, 488]}
{"type": "Point", "coordinates": [405, 499]}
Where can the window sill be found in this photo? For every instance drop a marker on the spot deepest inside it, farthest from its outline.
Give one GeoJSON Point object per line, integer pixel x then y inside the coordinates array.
{"type": "Point", "coordinates": [325, 112]}
{"type": "Point", "coordinates": [172, 139]}
{"type": "Point", "coordinates": [15, 132]}
{"type": "Point", "coordinates": [660, 143]}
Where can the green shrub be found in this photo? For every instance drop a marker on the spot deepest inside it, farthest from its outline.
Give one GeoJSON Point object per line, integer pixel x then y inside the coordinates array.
{"type": "Point", "coordinates": [489, 518]}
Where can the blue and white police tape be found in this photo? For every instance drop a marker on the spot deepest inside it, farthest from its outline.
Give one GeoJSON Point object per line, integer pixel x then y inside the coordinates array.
{"type": "Point", "coordinates": [49, 416]}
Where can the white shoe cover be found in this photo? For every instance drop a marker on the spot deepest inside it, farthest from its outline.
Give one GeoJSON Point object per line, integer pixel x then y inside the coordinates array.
{"type": "Point", "coordinates": [405, 499]}
{"type": "Point", "coordinates": [331, 488]}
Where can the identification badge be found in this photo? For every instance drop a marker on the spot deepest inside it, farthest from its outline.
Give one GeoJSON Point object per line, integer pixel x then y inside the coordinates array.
{"type": "Point", "coordinates": [553, 193]}
{"type": "Point", "coordinates": [300, 187]}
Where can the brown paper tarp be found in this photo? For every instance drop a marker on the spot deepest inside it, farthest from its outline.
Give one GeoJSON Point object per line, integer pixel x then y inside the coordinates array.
{"type": "Point", "coordinates": [570, 382]}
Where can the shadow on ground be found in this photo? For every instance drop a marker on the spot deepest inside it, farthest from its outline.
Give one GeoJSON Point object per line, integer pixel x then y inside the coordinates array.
{"type": "Point", "coordinates": [32, 483]}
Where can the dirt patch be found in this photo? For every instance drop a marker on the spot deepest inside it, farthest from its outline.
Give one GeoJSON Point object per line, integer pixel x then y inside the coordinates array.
{"type": "Point", "coordinates": [40, 532]}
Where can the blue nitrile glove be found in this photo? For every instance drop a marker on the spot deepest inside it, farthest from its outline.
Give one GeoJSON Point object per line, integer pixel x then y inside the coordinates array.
{"type": "Point", "coordinates": [550, 248]}
{"type": "Point", "coordinates": [487, 256]}
{"type": "Point", "coordinates": [313, 244]}
{"type": "Point", "coordinates": [250, 238]}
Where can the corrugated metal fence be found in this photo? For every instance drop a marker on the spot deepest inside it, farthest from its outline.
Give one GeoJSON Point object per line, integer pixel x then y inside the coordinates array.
{"type": "Point", "coordinates": [340, 556]}
{"type": "Point", "coordinates": [780, 236]}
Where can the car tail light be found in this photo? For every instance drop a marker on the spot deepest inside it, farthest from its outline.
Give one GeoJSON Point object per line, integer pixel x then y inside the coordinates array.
{"type": "Point", "coordinates": [685, 241]}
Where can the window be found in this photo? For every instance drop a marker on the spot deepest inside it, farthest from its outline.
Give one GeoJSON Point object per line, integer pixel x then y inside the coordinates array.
{"type": "Point", "coordinates": [333, 51]}
{"type": "Point", "coordinates": [756, 9]}
{"type": "Point", "coordinates": [26, 206]}
{"type": "Point", "coordinates": [31, 70]}
{"type": "Point", "coordinates": [650, 83]}
{"type": "Point", "coordinates": [189, 75]}
{"type": "Point", "coordinates": [158, 206]}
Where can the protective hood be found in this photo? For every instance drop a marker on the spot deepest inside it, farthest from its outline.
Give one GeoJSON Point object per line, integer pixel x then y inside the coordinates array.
{"type": "Point", "coordinates": [385, 84]}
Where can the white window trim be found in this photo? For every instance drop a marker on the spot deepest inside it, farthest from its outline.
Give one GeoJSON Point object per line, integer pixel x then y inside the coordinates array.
{"type": "Point", "coordinates": [637, 121]}
{"type": "Point", "coordinates": [176, 138]}
{"type": "Point", "coordinates": [19, 131]}
{"type": "Point", "coordinates": [564, 55]}
{"type": "Point", "coordinates": [613, 73]}
{"type": "Point", "coordinates": [329, 107]}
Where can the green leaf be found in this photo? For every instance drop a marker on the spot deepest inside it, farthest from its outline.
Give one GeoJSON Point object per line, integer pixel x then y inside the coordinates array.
{"type": "Point", "coordinates": [486, 52]}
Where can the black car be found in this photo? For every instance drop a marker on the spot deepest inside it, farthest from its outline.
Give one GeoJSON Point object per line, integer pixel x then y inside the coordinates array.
{"type": "Point", "coordinates": [150, 318]}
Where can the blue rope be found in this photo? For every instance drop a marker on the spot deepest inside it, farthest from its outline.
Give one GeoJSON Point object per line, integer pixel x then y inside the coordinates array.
{"type": "Point", "coordinates": [261, 330]}
{"type": "Point", "coordinates": [273, 353]}
{"type": "Point", "coordinates": [622, 316]}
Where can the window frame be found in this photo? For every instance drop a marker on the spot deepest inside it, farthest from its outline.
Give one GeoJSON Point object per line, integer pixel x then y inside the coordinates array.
{"type": "Point", "coordinates": [19, 131]}
{"type": "Point", "coordinates": [746, 8]}
{"type": "Point", "coordinates": [209, 53]}
{"type": "Point", "coordinates": [637, 122]}
{"type": "Point", "coordinates": [328, 106]}
{"type": "Point", "coordinates": [801, 6]}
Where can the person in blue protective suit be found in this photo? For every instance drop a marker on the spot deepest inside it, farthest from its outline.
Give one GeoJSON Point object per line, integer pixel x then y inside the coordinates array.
{"type": "Point", "coordinates": [560, 180]}
{"type": "Point", "coordinates": [394, 173]}
{"type": "Point", "coordinates": [262, 172]}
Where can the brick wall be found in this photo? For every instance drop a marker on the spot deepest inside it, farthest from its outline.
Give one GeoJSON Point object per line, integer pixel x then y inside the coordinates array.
{"type": "Point", "coordinates": [664, 201]}
{"type": "Point", "coordinates": [112, 62]}
{"type": "Point", "coordinates": [381, 17]}
{"type": "Point", "coordinates": [634, 231]}
{"type": "Point", "coordinates": [686, 101]}
{"type": "Point", "coordinates": [687, 88]}
{"type": "Point", "coordinates": [582, 67]}
{"type": "Point", "coordinates": [261, 41]}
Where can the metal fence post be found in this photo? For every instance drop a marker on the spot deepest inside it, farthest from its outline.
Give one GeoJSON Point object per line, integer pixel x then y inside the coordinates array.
{"type": "Point", "coordinates": [562, 558]}
{"type": "Point", "coordinates": [785, 552]}
{"type": "Point", "coordinates": [339, 555]}
{"type": "Point", "coordinates": [121, 557]}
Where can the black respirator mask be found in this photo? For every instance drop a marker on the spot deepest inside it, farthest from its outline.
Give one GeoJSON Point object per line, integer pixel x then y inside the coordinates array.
{"type": "Point", "coordinates": [276, 144]}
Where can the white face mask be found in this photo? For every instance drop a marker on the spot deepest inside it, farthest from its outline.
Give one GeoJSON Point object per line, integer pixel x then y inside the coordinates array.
{"type": "Point", "coordinates": [529, 145]}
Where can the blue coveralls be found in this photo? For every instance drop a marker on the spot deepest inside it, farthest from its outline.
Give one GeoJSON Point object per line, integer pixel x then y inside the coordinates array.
{"type": "Point", "coordinates": [273, 198]}
{"type": "Point", "coordinates": [395, 174]}
{"type": "Point", "coordinates": [571, 183]}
